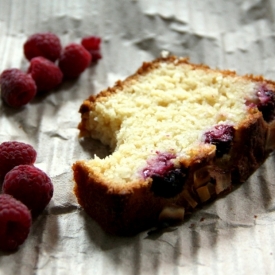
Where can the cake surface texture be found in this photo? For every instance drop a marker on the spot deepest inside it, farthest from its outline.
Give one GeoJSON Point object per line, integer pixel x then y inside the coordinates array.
{"type": "Point", "coordinates": [180, 134]}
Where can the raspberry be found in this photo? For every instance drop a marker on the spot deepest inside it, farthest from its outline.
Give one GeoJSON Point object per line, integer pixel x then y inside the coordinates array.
{"type": "Point", "coordinates": [221, 136]}
{"type": "Point", "coordinates": [266, 104]}
{"type": "Point", "coordinates": [168, 181]}
{"type": "Point", "coordinates": [74, 60]}
{"type": "Point", "coordinates": [15, 222]}
{"type": "Point", "coordinates": [45, 74]}
{"type": "Point", "coordinates": [92, 45]}
{"type": "Point", "coordinates": [13, 153]}
{"type": "Point", "coordinates": [159, 165]}
{"type": "Point", "coordinates": [30, 185]}
{"type": "Point", "coordinates": [43, 44]}
{"type": "Point", "coordinates": [17, 88]}
{"type": "Point", "coordinates": [170, 184]}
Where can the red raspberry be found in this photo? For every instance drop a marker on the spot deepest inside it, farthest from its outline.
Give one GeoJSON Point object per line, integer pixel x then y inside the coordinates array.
{"type": "Point", "coordinates": [15, 222]}
{"type": "Point", "coordinates": [43, 44]}
{"type": "Point", "coordinates": [74, 60]}
{"type": "Point", "coordinates": [222, 136]}
{"type": "Point", "coordinates": [45, 74]}
{"type": "Point", "coordinates": [13, 153]}
{"type": "Point", "coordinates": [92, 45]}
{"type": "Point", "coordinates": [91, 42]}
{"type": "Point", "coordinates": [30, 185]}
{"type": "Point", "coordinates": [17, 88]}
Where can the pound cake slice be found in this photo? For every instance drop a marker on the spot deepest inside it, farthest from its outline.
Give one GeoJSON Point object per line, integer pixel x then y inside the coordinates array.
{"type": "Point", "coordinates": [180, 134]}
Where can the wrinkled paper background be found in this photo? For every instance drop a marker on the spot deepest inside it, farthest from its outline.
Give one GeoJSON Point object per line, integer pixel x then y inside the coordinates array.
{"type": "Point", "coordinates": [235, 235]}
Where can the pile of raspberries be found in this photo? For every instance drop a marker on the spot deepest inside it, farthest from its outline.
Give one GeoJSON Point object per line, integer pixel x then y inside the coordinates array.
{"type": "Point", "coordinates": [26, 191]}
{"type": "Point", "coordinates": [49, 65]}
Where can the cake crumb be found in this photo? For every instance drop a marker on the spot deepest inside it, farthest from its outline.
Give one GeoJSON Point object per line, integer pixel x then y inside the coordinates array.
{"type": "Point", "coordinates": [165, 54]}
{"type": "Point", "coordinates": [192, 225]}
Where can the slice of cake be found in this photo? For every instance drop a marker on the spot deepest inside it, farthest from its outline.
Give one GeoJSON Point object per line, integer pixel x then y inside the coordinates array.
{"type": "Point", "coordinates": [180, 134]}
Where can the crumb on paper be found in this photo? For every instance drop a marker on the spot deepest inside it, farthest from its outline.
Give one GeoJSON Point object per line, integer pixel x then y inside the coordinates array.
{"type": "Point", "coordinates": [192, 225]}
{"type": "Point", "coordinates": [165, 54]}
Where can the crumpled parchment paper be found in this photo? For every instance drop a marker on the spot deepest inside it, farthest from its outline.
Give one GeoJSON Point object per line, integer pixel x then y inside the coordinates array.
{"type": "Point", "coordinates": [235, 234]}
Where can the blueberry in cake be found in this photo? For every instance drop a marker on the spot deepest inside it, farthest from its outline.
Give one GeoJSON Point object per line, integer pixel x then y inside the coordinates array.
{"type": "Point", "coordinates": [181, 135]}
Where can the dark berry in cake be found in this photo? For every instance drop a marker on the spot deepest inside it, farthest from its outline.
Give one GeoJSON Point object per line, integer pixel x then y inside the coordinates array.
{"type": "Point", "coordinates": [17, 88]}
{"type": "Point", "coordinates": [92, 45]}
{"type": "Point", "coordinates": [167, 181]}
{"type": "Point", "coordinates": [45, 74]}
{"type": "Point", "coordinates": [13, 153]}
{"type": "Point", "coordinates": [74, 60]}
{"type": "Point", "coordinates": [91, 42]}
{"type": "Point", "coordinates": [43, 44]}
{"type": "Point", "coordinates": [221, 136]}
{"type": "Point", "coordinates": [170, 184]}
{"type": "Point", "coordinates": [15, 222]}
{"type": "Point", "coordinates": [30, 185]}
{"type": "Point", "coordinates": [267, 104]}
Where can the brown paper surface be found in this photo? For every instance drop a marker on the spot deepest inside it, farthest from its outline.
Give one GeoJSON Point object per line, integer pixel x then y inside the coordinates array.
{"type": "Point", "coordinates": [234, 235]}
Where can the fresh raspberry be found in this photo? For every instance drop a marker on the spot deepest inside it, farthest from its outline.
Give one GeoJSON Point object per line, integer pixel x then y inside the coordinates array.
{"type": "Point", "coordinates": [30, 185]}
{"type": "Point", "coordinates": [15, 222]}
{"type": "Point", "coordinates": [45, 74]}
{"type": "Point", "coordinates": [17, 88]}
{"type": "Point", "coordinates": [92, 45]}
{"type": "Point", "coordinates": [74, 60]}
{"type": "Point", "coordinates": [43, 44]}
{"type": "Point", "coordinates": [13, 153]}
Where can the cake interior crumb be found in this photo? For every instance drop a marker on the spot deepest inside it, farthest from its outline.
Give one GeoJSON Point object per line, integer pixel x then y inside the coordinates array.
{"type": "Point", "coordinates": [165, 110]}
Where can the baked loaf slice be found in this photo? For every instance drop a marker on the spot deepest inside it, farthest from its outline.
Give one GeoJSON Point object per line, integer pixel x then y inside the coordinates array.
{"type": "Point", "coordinates": [181, 135]}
